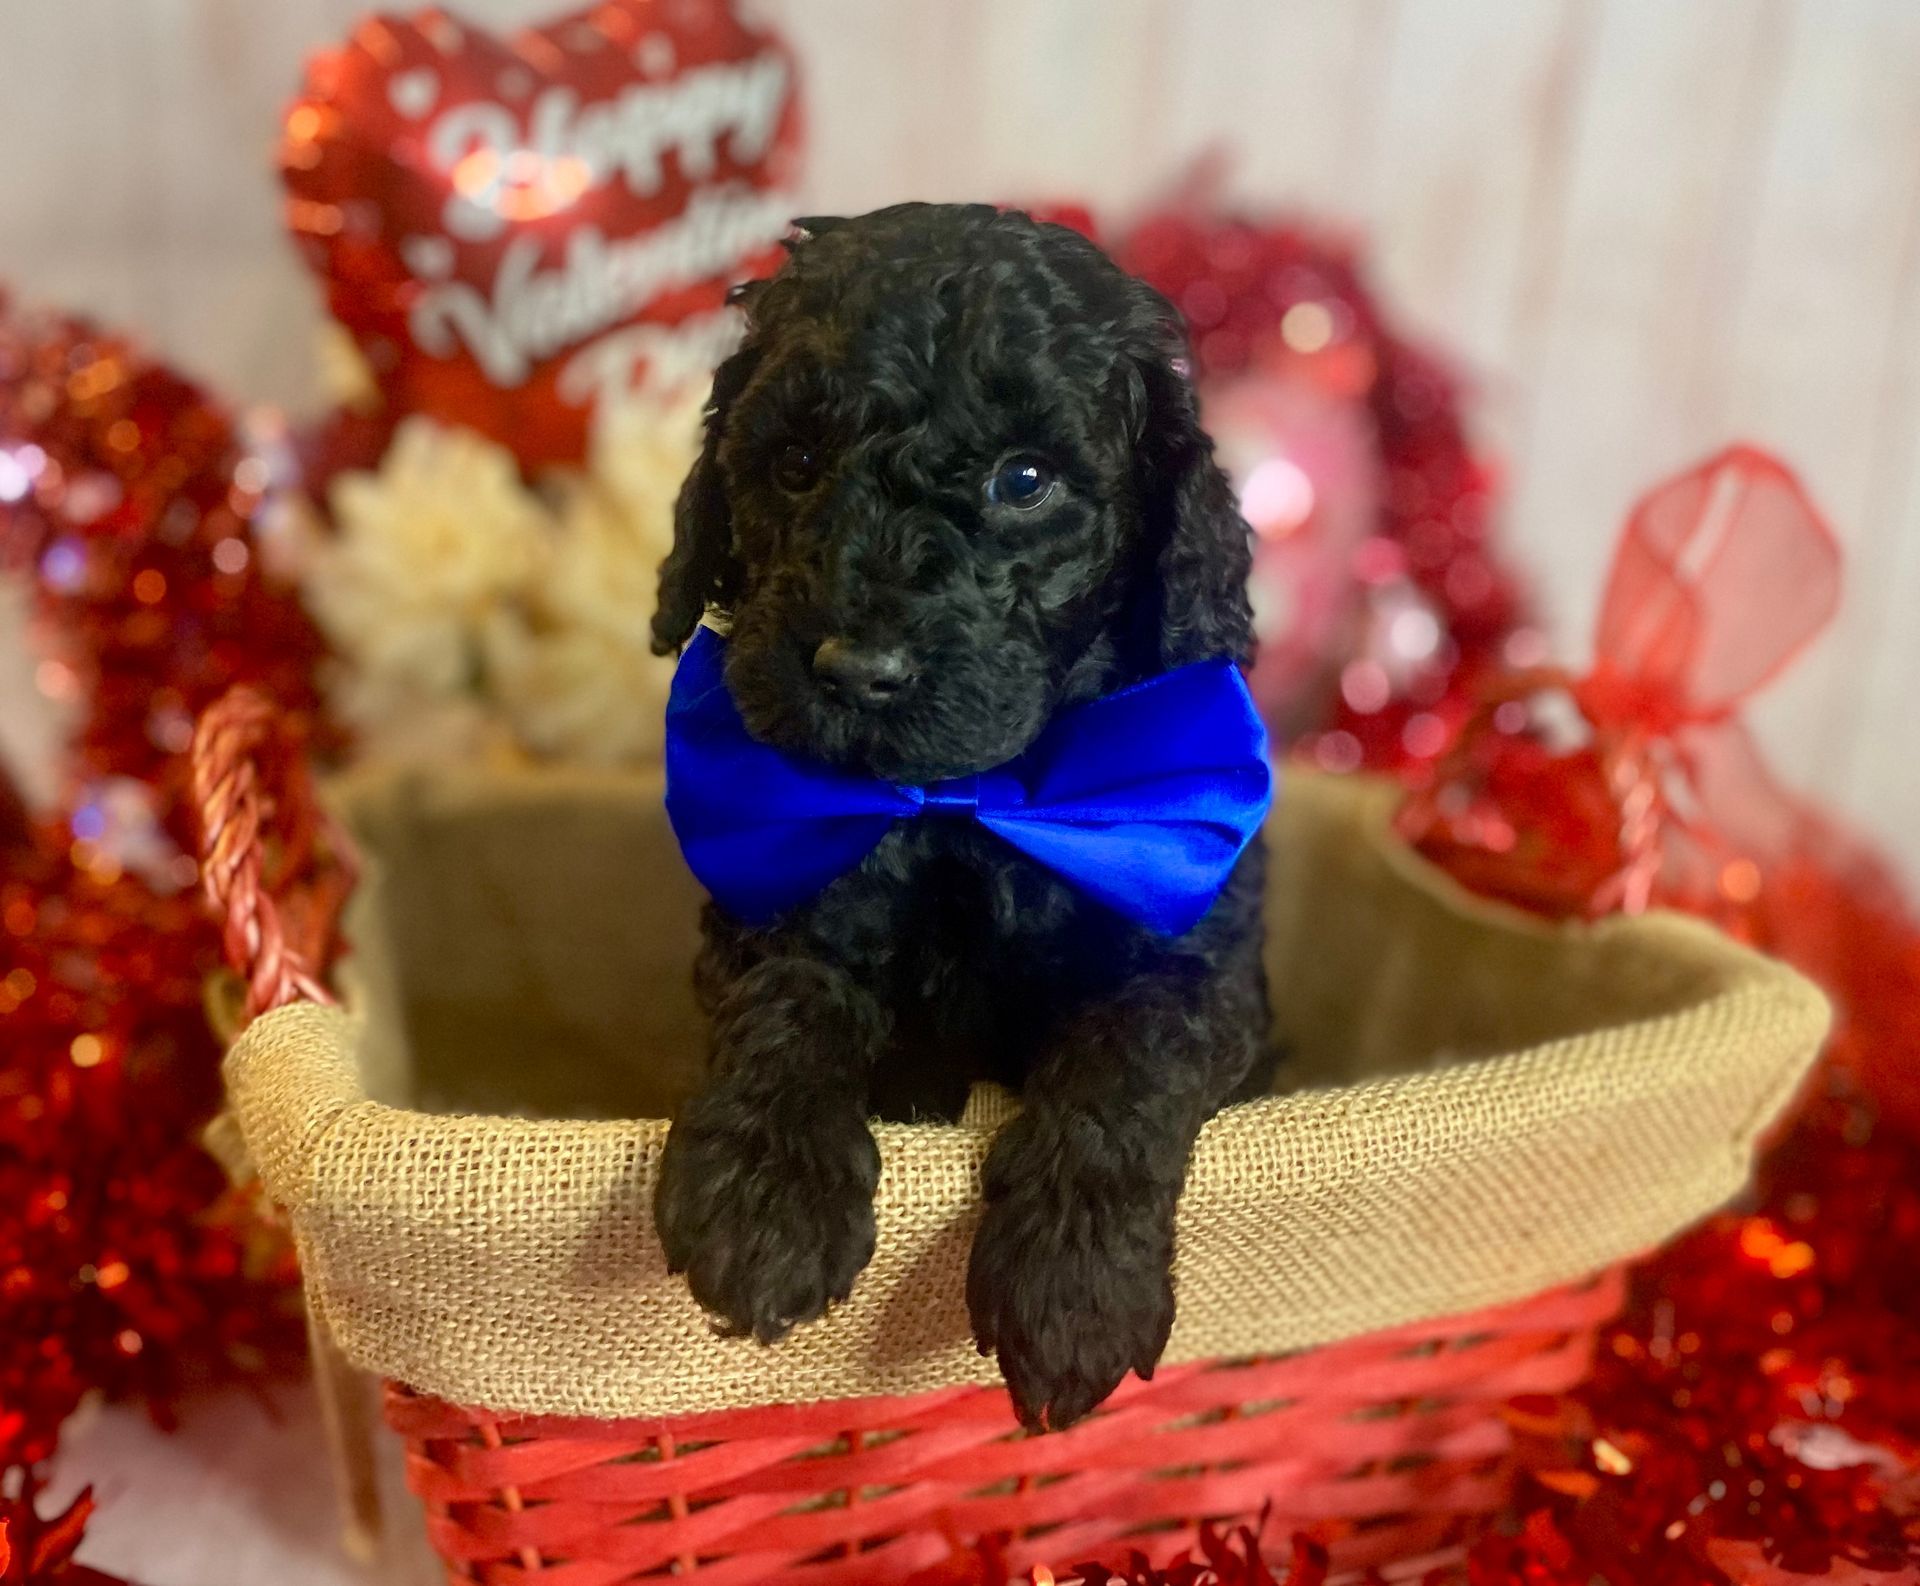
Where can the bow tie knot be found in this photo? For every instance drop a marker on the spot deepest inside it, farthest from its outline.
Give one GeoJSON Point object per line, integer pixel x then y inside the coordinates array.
{"type": "Point", "coordinates": [1143, 799]}
{"type": "Point", "coordinates": [960, 796]}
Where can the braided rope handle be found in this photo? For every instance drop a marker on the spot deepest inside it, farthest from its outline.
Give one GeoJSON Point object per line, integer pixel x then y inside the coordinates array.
{"type": "Point", "coordinates": [275, 867]}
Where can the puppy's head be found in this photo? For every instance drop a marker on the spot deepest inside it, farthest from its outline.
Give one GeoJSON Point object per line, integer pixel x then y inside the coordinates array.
{"type": "Point", "coordinates": [953, 479]}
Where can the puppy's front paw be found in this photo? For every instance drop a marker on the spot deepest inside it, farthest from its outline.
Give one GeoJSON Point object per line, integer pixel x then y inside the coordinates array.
{"type": "Point", "coordinates": [1070, 1282]}
{"type": "Point", "coordinates": [771, 1218]}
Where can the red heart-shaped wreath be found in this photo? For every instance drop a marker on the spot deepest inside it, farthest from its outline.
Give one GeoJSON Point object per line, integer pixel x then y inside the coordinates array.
{"type": "Point", "coordinates": [513, 230]}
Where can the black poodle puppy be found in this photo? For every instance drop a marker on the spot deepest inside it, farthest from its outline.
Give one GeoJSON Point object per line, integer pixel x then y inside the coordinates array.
{"type": "Point", "coordinates": [953, 481]}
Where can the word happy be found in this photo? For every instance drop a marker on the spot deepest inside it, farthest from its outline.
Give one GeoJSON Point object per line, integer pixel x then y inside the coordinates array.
{"type": "Point", "coordinates": [630, 134]}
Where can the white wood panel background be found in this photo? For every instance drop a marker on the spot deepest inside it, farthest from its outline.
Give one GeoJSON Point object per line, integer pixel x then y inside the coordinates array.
{"type": "Point", "coordinates": [1644, 227]}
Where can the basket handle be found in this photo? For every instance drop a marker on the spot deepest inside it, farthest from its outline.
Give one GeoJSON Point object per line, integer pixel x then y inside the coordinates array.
{"type": "Point", "coordinates": [277, 870]}
{"type": "Point", "coordinates": [276, 867]}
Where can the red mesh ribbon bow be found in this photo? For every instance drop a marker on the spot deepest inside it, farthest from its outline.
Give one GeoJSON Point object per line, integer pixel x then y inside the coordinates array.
{"type": "Point", "coordinates": [1722, 577]}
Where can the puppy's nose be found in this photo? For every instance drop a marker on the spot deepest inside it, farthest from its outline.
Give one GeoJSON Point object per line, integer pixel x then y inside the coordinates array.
{"type": "Point", "coordinates": [862, 674]}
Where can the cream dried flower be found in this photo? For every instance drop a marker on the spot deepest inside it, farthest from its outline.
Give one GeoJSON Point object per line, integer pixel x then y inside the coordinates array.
{"type": "Point", "coordinates": [640, 454]}
{"type": "Point", "coordinates": [426, 551]}
{"type": "Point", "coordinates": [574, 669]}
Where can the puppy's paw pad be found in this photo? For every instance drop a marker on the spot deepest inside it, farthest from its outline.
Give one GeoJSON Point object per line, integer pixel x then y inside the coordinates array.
{"type": "Point", "coordinates": [771, 1225]}
{"type": "Point", "coordinates": [1070, 1306]}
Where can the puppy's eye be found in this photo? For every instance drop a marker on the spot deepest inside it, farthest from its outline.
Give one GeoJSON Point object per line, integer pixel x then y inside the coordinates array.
{"type": "Point", "coordinates": [796, 469]}
{"type": "Point", "coordinates": [1021, 483]}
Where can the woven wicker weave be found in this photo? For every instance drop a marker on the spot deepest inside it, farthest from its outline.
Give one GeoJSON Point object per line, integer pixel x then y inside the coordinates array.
{"type": "Point", "coordinates": [1384, 1445]}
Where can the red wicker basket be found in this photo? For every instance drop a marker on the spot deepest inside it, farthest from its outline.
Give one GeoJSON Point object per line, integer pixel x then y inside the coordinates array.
{"type": "Point", "coordinates": [1384, 1446]}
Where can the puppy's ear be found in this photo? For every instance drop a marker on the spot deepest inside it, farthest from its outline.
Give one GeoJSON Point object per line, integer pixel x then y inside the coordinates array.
{"type": "Point", "coordinates": [807, 227]}
{"type": "Point", "coordinates": [701, 569]}
{"type": "Point", "coordinates": [1203, 547]}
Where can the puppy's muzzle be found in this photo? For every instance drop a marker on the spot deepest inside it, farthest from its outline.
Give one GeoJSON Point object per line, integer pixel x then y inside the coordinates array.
{"type": "Point", "coordinates": [867, 676]}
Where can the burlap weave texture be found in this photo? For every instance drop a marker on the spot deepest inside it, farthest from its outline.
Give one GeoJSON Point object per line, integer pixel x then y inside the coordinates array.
{"type": "Point", "coordinates": [1490, 1108]}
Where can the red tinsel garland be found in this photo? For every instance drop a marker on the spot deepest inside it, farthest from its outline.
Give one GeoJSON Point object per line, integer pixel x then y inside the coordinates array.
{"type": "Point", "coordinates": [125, 1264]}
{"type": "Point", "coordinates": [34, 1549]}
{"type": "Point", "coordinates": [1756, 1406]}
{"type": "Point", "coordinates": [1287, 305]}
{"type": "Point", "coordinates": [1240, 285]}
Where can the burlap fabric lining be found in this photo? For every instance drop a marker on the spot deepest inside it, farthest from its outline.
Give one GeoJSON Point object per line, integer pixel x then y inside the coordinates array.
{"type": "Point", "coordinates": [1489, 1108]}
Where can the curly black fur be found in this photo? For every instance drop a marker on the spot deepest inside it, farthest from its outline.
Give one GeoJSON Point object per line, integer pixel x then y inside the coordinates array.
{"type": "Point", "coordinates": [904, 356]}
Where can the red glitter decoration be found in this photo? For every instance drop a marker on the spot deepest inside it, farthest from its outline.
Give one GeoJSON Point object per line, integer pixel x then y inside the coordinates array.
{"type": "Point", "coordinates": [1755, 1413]}
{"type": "Point", "coordinates": [36, 1550]}
{"type": "Point", "coordinates": [512, 229]}
{"type": "Point", "coordinates": [1220, 1558]}
{"type": "Point", "coordinates": [126, 1264]}
{"type": "Point", "coordinates": [137, 523]}
{"type": "Point", "coordinates": [1284, 303]}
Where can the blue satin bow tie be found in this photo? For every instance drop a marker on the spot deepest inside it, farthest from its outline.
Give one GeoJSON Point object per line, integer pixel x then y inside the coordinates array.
{"type": "Point", "coordinates": [1142, 799]}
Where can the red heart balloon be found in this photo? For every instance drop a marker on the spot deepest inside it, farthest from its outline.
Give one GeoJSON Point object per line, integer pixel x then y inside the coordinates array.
{"type": "Point", "coordinates": [513, 230]}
